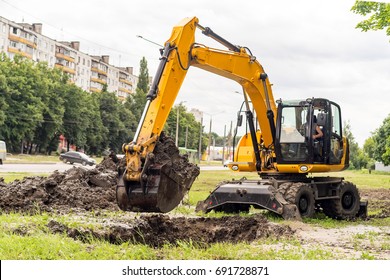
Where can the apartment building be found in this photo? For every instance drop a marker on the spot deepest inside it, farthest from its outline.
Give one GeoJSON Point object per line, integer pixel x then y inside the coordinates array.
{"type": "Point", "coordinates": [89, 72]}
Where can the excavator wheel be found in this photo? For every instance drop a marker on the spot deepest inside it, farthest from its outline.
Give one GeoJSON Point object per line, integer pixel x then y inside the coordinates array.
{"type": "Point", "coordinates": [300, 195]}
{"type": "Point", "coordinates": [347, 206]}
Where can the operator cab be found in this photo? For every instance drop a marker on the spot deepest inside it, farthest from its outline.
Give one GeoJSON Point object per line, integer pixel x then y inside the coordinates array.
{"type": "Point", "coordinates": [296, 125]}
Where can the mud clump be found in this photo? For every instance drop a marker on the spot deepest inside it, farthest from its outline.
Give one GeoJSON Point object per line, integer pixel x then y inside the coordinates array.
{"type": "Point", "coordinates": [166, 153]}
{"type": "Point", "coordinates": [90, 189]}
{"type": "Point", "coordinates": [157, 230]}
{"type": "Point", "coordinates": [77, 188]}
{"type": "Point", "coordinates": [378, 201]}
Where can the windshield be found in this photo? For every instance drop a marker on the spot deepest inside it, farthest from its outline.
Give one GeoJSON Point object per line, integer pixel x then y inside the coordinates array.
{"type": "Point", "coordinates": [293, 130]}
{"type": "Point", "coordinates": [293, 125]}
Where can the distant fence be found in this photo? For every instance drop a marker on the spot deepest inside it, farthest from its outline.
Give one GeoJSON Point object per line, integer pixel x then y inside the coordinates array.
{"type": "Point", "coordinates": [379, 166]}
{"type": "Point", "coordinates": [192, 154]}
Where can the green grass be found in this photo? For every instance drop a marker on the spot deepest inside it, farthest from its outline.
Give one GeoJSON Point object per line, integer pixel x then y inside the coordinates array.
{"type": "Point", "coordinates": [28, 237]}
{"type": "Point", "coordinates": [362, 179]}
{"type": "Point", "coordinates": [22, 158]}
{"type": "Point", "coordinates": [12, 176]}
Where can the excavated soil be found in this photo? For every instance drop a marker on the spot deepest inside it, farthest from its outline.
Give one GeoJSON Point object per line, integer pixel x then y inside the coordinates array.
{"type": "Point", "coordinates": [74, 189]}
{"type": "Point", "coordinates": [84, 189]}
{"type": "Point", "coordinates": [80, 190]}
{"type": "Point", "coordinates": [157, 230]}
{"type": "Point", "coordinates": [378, 200]}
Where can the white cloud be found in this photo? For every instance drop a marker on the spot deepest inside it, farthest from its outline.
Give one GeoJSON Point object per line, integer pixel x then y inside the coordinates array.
{"type": "Point", "coordinates": [307, 47]}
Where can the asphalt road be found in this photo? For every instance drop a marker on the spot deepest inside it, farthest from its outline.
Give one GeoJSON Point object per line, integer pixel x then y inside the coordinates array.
{"type": "Point", "coordinates": [50, 167]}
{"type": "Point", "coordinates": [37, 168]}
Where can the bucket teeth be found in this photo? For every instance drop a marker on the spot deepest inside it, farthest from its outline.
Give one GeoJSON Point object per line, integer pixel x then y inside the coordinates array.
{"type": "Point", "coordinates": [290, 212]}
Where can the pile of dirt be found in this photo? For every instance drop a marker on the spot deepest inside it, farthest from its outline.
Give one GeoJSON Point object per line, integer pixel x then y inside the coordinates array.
{"type": "Point", "coordinates": [157, 230]}
{"type": "Point", "coordinates": [76, 188]}
{"type": "Point", "coordinates": [378, 201]}
{"type": "Point", "coordinates": [83, 189]}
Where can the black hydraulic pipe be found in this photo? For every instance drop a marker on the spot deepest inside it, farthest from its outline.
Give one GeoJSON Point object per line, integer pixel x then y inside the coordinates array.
{"type": "Point", "coordinates": [270, 113]}
{"type": "Point", "coordinates": [255, 144]}
{"type": "Point", "coordinates": [210, 33]}
{"type": "Point", "coordinates": [152, 94]}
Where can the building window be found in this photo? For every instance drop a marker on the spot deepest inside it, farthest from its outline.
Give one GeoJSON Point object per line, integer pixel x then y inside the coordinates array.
{"type": "Point", "coordinates": [14, 30]}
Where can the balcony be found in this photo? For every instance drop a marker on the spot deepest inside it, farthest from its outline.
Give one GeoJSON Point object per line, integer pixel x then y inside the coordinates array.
{"type": "Point", "coordinates": [18, 51]}
{"type": "Point", "coordinates": [95, 89]}
{"type": "Point", "coordinates": [126, 81]}
{"type": "Point", "coordinates": [65, 69]}
{"type": "Point", "coordinates": [125, 90]}
{"type": "Point", "coordinates": [65, 57]}
{"type": "Point", "coordinates": [97, 80]}
{"type": "Point", "coordinates": [22, 40]}
{"type": "Point", "coordinates": [97, 70]}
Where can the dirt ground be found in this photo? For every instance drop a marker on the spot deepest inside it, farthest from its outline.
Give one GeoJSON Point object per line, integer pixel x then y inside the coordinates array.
{"type": "Point", "coordinates": [80, 190]}
{"type": "Point", "coordinates": [156, 230]}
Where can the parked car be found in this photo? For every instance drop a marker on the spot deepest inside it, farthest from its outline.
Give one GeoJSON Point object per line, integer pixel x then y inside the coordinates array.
{"type": "Point", "coordinates": [3, 151]}
{"type": "Point", "coordinates": [226, 162]}
{"type": "Point", "coordinates": [77, 157]}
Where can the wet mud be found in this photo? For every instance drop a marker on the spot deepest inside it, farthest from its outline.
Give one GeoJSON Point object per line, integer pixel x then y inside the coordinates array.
{"type": "Point", "coordinates": [75, 189]}
{"type": "Point", "coordinates": [80, 190]}
{"type": "Point", "coordinates": [157, 230]}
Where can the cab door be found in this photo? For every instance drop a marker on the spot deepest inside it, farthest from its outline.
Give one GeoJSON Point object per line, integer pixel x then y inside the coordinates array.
{"type": "Point", "coordinates": [336, 135]}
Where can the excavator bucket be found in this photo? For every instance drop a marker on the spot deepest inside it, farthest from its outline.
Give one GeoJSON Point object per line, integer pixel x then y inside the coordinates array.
{"type": "Point", "coordinates": [166, 178]}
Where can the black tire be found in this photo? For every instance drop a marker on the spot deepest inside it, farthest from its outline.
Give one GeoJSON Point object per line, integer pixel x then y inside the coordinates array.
{"type": "Point", "coordinates": [347, 206]}
{"type": "Point", "coordinates": [282, 189]}
{"type": "Point", "coordinates": [302, 196]}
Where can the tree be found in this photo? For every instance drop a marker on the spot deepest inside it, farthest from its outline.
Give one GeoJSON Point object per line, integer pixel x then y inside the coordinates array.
{"type": "Point", "coordinates": [96, 132]}
{"type": "Point", "coordinates": [135, 103]}
{"type": "Point", "coordinates": [117, 119]}
{"type": "Point", "coordinates": [19, 83]}
{"type": "Point", "coordinates": [382, 142]}
{"type": "Point", "coordinates": [189, 128]}
{"type": "Point", "coordinates": [369, 150]}
{"type": "Point", "coordinates": [75, 121]}
{"type": "Point", "coordinates": [378, 15]}
{"type": "Point", "coordinates": [143, 78]}
{"type": "Point", "coordinates": [47, 132]}
{"type": "Point", "coordinates": [356, 156]}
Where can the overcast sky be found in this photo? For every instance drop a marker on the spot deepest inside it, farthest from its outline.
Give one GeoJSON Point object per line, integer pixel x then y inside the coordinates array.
{"type": "Point", "coordinates": [309, 48]}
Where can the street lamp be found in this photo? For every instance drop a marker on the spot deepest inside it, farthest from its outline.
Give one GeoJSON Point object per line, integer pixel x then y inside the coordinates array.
{"type": "Point", "coordinates": [150, 41]}
{"type": "Point", "coordinates": [211, 123]}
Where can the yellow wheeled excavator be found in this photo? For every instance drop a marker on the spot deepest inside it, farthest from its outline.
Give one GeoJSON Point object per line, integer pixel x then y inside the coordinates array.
{"type": "Point", "coordinates": [295, 139]}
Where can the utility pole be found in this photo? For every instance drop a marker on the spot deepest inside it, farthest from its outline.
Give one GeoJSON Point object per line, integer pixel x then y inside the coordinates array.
{"type": "Point", "coordinates": [224, 144]}
{"type": "Point", "coordinates": [209, 153]}
{"type": "Point", "coordinates": [200, 137]}
{"type": "Point", "coordinates": [185, 145]}
{"type": "Point", "coordinates": [177, 126]}
{"type": "Point", "coordinates": [177, 123]}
